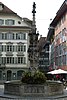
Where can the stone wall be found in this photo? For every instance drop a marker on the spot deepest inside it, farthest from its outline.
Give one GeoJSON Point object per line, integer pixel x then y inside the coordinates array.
{"type": "Point", "coordinates": [49, 88]}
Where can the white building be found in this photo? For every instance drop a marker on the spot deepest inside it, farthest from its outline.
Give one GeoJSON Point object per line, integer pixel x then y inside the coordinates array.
{"type": "Point", "coordinates": [14, 43]}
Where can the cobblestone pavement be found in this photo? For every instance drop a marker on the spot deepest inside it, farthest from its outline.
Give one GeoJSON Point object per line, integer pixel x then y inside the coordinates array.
{"type": "Point", "coordinates": [10, 97]}
{"type": "Point", "coordinates": [33, 99]}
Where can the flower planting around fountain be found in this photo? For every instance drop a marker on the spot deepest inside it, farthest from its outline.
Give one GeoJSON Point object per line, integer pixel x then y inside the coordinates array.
{"type": "Point", "coordinates": [33, 78]}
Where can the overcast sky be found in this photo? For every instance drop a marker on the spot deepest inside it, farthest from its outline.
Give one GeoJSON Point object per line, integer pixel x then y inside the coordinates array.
{"type": "Point", "coordinates": [46, 10]}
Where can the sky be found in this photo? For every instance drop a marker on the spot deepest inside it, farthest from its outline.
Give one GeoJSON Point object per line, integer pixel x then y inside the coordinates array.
{"type": "Point", "coordinates": [45, 11]}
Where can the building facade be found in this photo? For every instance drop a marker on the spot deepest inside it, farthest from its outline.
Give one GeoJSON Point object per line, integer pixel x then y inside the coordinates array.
{"type": "Point", "coordinates": [43, 48]}
{"type": "Point", "coordinates": [59, 38]}
{"type": "Point", "coordinates": [14, 44]}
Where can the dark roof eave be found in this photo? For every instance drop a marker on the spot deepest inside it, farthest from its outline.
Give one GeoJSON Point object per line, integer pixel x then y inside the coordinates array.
{"type": "Point", "coordinates": [46, 43]}
{"type": "Point", "coordinates": [50, 33]}
{"type": "Point", "coordinates": [59, 14]}
{"type": "Point", "coordinates": [15, 27]}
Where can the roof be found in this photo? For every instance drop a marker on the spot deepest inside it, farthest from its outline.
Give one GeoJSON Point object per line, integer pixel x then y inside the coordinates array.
{"type": "Point", "coordinates": [41, 42]}
{"type": "Point", "coordinates": [59, 13]}
{"type": "Point", "coordinates": [6, 10]}
{"type": "Point", "coordinates": [27, 21]}
{"type": "Point", "coordinates": [15, 27]}
{"type": "Point", "coordinates": [50, 34]}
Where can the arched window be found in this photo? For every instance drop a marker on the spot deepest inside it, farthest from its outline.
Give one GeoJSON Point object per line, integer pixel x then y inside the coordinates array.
{"type": "Point", "coordinates": [19, 74]}
{"type": "Point", "coordinates": [9, 73]}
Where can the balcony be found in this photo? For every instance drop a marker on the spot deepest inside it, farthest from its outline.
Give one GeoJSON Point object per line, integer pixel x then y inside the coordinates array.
{"type": "Point", "coordinates": [20, 54]}
{"type": "Point", "coordinates": [9, 54]}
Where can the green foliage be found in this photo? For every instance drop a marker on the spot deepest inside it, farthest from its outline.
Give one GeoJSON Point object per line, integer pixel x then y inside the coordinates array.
{"type": "Point", "coordinates": [39, 77]}
{"type": "Point", "coordinates": [33, 78]}
{"type": "Point", "coordinates": [26, 77]}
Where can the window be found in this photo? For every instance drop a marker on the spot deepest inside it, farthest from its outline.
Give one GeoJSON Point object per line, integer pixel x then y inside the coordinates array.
{"type": "Point", "coordinates": [20, 47]}
{"type": "Point", "coordinates": [24, 36]}
{"type": "Point", "coordinates": [3, 36]}
{"type": "Point", "coordinates": [20, 60]}
{"type": "Point", "coordinates": [15, 60]}
{"type": "Point", "coordinates": [9, 36]}
{"type": "Point", "coordinates": [64, 44]}
{"type": "Point", "coordinates": [9, 22]}
{"type": "Point", "coordinates": [9, 47]}
{"type": "Point", "coordinates": [1, 22]}
{"type": "Point", "coordinates": [9, 60]}
{"type": "Point", "coordinates": [63, 18]}
{"type": "Point", "coordinates": [19, 22]}
{"type": "Point", "coordinates": [60, 49]}
{"type": "Point", "coordinates": [24, 60]}
{"type": "Point", "coordinates": [14, 48]}
{"type": "Point", "coordinates": [60, 61]}
{"type": "Point", "coordinates": [24, 48]}
{"type": "Point", "coordinates": [56, 61]}
{"type": "Point", "coordinates": [18, 36]}
{"type": "Point", "coordinates": [12, 61]}
{"type": "Point", "coordinates": [56, 38]}
{"type": "Point", "coordinates": [64, 59]}
{"type": "Point", "coordinates": [3, 60]}
{"type": "Point", "coordinates": [56, 50]}
{"type": "Point", "coordinates": [0, 47]}
{"type": "Point", "coordinates": [21, 36]}
{"type": "Point", "coordinates": [46, 63]}
{"type": "Point", "coordinates": [0, 36]}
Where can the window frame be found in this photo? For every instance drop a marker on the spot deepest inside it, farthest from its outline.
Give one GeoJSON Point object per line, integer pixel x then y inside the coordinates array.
{"type": "Point", "coordinates": [9, 22]}
{"type": "Point", "coordinates": [1, 21]}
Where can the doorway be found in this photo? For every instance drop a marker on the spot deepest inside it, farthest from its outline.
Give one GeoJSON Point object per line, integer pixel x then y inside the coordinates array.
{"type": "Point", "coordinates": [9, 73]}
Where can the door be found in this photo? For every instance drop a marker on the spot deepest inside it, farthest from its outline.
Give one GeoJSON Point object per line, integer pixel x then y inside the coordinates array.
{"type": "Point", "coordinates": [9, 73]}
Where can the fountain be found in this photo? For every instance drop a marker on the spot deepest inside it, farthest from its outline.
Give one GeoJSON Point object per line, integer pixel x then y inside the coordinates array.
{"type": "Point", "coordinates": [34, 83]}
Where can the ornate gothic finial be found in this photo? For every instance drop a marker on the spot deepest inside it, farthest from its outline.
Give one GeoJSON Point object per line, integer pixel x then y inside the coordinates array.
{"type": "Point", "coordinates": [34, 6]}
{"type": "Point", "coordinates": [34, 22]}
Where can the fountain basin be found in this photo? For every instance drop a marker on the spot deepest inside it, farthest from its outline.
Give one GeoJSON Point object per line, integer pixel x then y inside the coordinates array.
{"type": "Point", "coordinates": [47, 89]}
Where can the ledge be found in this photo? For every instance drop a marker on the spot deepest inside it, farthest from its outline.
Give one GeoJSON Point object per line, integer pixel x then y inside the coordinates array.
{"type": "Point", "coordinates": [47, 89]}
